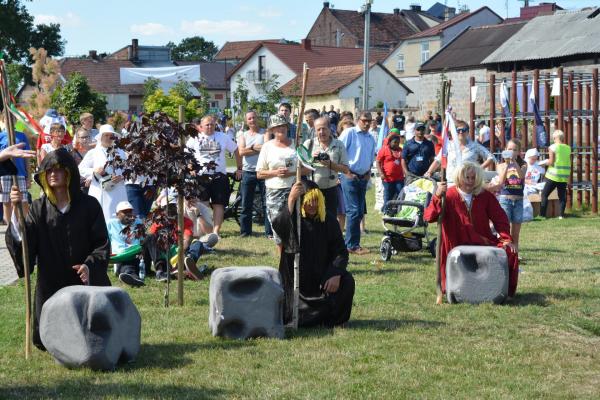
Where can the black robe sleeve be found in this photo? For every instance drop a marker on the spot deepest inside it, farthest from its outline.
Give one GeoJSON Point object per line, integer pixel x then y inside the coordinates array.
{"type": "Point", "coordinates": [14, 246]}
{"type": "Point", "coordinates": [337, 251]}
{"type": "Point", "coordinates": [284, 224]}
{"type": "Point", "coordinates": [97, 260]}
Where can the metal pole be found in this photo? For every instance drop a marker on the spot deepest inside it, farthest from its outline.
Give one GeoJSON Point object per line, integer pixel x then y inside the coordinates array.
{"type": "Point", "coordinates": [366, 44]}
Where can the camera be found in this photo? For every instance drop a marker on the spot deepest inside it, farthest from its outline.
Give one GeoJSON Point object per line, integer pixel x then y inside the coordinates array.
{"type": "Point", "coordinates": [322, 157]}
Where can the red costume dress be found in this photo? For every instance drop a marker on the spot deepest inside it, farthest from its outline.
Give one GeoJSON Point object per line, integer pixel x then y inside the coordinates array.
{"type": "Point", "coordinates": [462, 226]}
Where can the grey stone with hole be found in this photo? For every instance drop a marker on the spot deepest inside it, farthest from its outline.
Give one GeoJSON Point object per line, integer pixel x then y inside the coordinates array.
{"type": "Point", "coordinates": [246, 302]}
{"type": "Point", "coordinates": [91, 326]}
{"type": "Point", "coordinates": [477, 274]}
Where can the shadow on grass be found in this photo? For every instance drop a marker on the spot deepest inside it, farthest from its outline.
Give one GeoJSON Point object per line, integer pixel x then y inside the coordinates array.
{"type": "Point", "coordinates": [528, 299]}
{"type": "Point", "coordinates": [565, 270]}
{"type": "Point", "coordinates": [542, 250]}
{"type": "Point", "coordinates": [85, 388]}
{"type": "Point", "coordinates": [381, 271]}
{"type": "Point", "coordinates": [237, 252]}
{"type": "Point", "coordinates": [391, 324]}
{"type": "Point", "coordinates": [313, 332]}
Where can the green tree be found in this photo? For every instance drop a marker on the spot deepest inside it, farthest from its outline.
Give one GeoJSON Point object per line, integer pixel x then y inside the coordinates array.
{"type": "Point", "coordinates": [179, 95]}
{"type": "Point", "coordinates": [76, 97]}
{"type": "Point", "coordinates": [194, 48]}
{"type": "Point", "coordinates": [150, 86]}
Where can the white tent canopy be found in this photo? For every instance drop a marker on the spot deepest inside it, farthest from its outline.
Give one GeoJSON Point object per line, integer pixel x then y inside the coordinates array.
{"type": "Point", "coordinates": [168, 76]}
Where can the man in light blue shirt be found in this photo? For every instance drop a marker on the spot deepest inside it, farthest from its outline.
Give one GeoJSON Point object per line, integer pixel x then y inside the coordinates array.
{"type": "Point", "coordinates": [121, 242]}
{"type": "Point", "coordinates": [360, 147]}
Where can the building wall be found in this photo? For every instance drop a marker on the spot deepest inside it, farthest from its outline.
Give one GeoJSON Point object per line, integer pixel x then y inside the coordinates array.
{"type": "Point", "coordinates": [382, 87]}
{"type": "Point", "coordinates": [484, 17]}
{"type": "Point", "coordinates": [323, 32]}
{"type": "Point", "coordinates": [272, 64]}
{"type": "Point", "coordinates": [412, 56]}
{"type": "Point", "coordinates": [220, 97]}
{"type": "Point", "coordinates": [117, 102]}
{"type": "Point", "coordinates": [317, 102]}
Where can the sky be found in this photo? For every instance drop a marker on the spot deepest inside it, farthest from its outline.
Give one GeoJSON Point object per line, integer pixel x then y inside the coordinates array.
{"type": "Point", "coordinates": [109, 25]}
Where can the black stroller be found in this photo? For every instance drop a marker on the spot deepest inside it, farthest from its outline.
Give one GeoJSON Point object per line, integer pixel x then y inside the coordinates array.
{"type": "Point", "coordinates": [405, 229]}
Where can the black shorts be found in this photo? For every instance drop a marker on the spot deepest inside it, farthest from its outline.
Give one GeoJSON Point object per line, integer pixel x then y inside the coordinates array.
{"type": "Point", "coordinates": [217, 190]}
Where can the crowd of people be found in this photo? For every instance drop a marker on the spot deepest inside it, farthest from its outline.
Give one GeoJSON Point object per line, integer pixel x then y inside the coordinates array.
{"type": "Point", "coordinates": [81, 221]}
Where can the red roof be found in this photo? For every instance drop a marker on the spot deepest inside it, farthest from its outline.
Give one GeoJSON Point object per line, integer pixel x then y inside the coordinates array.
{"type": "Point", "coordinates": [438, 29]}
{"type": "Point", "coordinates": [238, 50]}
{"type": "Point", "coordinates": [103, 75]}
{"type": "Point", "coordinates": [295, 55]}
{"type": "Point", "coordinates": [328, 80]}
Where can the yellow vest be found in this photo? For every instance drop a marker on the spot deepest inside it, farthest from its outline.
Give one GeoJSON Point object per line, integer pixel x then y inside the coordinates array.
{"type": "Point", "coordinates": [561, 170]}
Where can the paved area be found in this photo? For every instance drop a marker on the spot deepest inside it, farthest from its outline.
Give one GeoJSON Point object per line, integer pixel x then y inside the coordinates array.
{"type": "Point", "coordinates": [8, 275]}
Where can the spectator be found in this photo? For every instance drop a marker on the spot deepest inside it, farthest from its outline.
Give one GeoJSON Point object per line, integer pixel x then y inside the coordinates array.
{"type": "Point", "coordinates": [373, 131]}
{"type": "Point", "coordinates": [360, 148]}
{"type": "Point", "coordinates": [87, 123]}
{"type": "Point", "coordinates": [334, 118]}
{"type": "Point", "coordinates": [82, 143]}
{"type": "Point", "coordinates": [469, 210]}
{"type": "Point", "coordinates": [435, 136]}
{"type": "Point", "coordinates": [398, 120]}
{"type": "Point", "coordinates": [557, 175]}
{"type": "Point", "coordinates": [50, 117]}
{"type": "Point", "coordinates": [483, 135]}
{"type": "Point", "coordinates": [209, 148]}
{"type": "Point", "coordinates": [410, 127]}
{"type": "Point", "coordinates": [438, 118]}
{"type": "Point", "coordinates": [285, 110]}
{"type": "Point", "coordinates": [250, 144]}
{"type": "Point", "coordinates": [66, 233]}
{"type": "Point", "coordinates": [535, 172]}
{"type": "Point", "coordinates": [417, 155]}
{"type": "Point", "coordinates": [310, 116]}
{"type": "Point", "coordinates": [121, 240]}
{"type": "Point", "coordinates": [461, 150]}
{"type": "Point", "coordinates": [106, 184]}
{"type": "Point", "coordinates": [326, 287]}
{"type": "Point", "coordinates": [323, 111]}
{"type": "Point", "coordinates": [19, 167]}
{"type": "Point", "coordinates": [276, 164]}
{"type": "Point", "coordinates": [344, 124]}
{"type": "Point", "coordinates": [378, 119]}
{"type": "Point", "coordinates": [325, 174]}
{"type": "Point", "coordinates": [390, 170]}
{"type": "Point", "coordinates": [57, 133]}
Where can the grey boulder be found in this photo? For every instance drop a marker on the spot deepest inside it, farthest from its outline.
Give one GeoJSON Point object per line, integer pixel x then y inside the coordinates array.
{"type": "Point", "coordinates": [246, 302]}
{"type": "Point", "coordinates": [91, 326]}
{"type": "Point", "coordinates": [476, 274]}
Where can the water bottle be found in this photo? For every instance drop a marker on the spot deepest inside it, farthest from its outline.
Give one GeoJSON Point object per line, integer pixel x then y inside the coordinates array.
{"type": "Point", "coordinates": [142, 273]}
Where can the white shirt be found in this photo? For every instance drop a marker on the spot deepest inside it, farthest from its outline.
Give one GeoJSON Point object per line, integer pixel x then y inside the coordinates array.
{"type": "Point", "coordinates": [212, 148]}
{"type": "Point", "coordinates": [484, 134]}
{"type": "Point", "coordinates": [272, 157]}
{"type": "Point", "coordinates": [409, 128]}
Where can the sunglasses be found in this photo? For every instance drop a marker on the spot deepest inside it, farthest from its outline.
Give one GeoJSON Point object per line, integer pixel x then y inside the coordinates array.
{"type": "Point", "coordinates": [366, 120]}
{"type": "Point", "coordinates": [462, 130]}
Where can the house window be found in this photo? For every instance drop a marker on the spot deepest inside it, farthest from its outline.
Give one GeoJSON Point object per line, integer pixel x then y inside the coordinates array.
{"type": "Point", "coordinates": [218, 96]}
{"type": "Point", "coordinates": [261, 68]}
{"type": "Point", "coordinates": [400, 65]}
{"type": "Point", "coordinates": [424, 52]}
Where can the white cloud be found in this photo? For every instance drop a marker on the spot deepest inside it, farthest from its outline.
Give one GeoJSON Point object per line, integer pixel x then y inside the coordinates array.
{"type": "Point", "coordinates": [270, 12]}
{"type": "Point", "coordinates": [206, 28]}
{"type": "Point", "coordinates": [149, 29]}
{"type": "Point", "coordinates": [69, 20]}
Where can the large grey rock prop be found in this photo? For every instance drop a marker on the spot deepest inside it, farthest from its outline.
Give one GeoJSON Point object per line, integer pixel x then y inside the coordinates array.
{"type": "Point", "coordinates": [476, 274]}
{"type": "Point", "coordinates": [246, 302]}
{"type": "Point", "coordinates": [91, 326]}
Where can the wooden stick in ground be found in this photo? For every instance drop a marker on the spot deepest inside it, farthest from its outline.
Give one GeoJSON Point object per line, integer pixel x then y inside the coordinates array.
{"type": "Point", "coordinates": [180, 212]}
{"type": "Point", "coordinates": [439, 299]}
{"type": "Point", "coordinates": [20, 214]}
{"type": "Point", "coordinates": [296, 299]}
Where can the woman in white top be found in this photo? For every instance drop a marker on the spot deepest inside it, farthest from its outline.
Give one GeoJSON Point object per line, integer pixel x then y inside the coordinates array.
{"type": "Point", "coordinates": [106, 185]}
{"type": "Point", "coordinates": [57, 133]}
{"type": "Point", "coordinates": [277, 166]}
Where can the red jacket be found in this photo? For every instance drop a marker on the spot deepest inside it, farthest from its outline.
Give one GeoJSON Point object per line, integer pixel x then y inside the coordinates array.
{"type": "Point", "coordinates": [391, 164]}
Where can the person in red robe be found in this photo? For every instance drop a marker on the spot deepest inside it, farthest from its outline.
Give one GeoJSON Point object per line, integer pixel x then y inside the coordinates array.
{"type": "Point", "coordinates": [469, 210]}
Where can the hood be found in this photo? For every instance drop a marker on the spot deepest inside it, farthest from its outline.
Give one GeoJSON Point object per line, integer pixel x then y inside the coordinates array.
{"type": "Point", "coordinates": [63, 158]}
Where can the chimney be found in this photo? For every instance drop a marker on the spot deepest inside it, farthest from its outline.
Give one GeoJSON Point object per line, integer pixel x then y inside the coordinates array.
{"type": "Point", "coordinates": [396, 11]}
{"type": "Point", "coordinates": [93, 54]}
{"type": "Point", "coordinates": [306, 45]}
{"type": "Point", "coordinates": [134, 49]}
{"type": "Point", "coordinates": [325, 4]}
{"type": "Point", "coordinates": [415, 7]}
{"type": "Point", "coordinates": [449, 13]}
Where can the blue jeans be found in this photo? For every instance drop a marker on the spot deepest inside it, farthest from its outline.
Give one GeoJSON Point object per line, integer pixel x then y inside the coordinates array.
{"type": "Point", "coordinates": [247, 190]}
{"type": "Point", "coordinates": [391, 190]}
{"type": "Point", "coordinates": [196, 249]}
{"type": "Point", "coordinates": [513, 209]}
{"type": "Point", "coordinates": [354, 197]}
{"type": "Point", "coordinates": [136, 196]}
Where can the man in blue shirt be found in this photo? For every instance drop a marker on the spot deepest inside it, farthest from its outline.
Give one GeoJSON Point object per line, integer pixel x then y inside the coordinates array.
{"type": "Point", "coordinates": [121, 242]}
{"type": "Point", "coordinates": [22, 166]}
{"type": "Point", "coordinates": [417, 155]}
{"type": "Point", "coordinates": [360, 147]}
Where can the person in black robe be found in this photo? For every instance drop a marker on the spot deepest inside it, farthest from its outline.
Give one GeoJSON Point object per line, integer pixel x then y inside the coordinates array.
{"type": "Point", "coordinates": [66, 234]}
{"type": "Point", "coordinates": [326, 287]}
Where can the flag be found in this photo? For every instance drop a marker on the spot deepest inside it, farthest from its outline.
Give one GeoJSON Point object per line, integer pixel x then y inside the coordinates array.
{"type": "Point", "coordinates": [383, 129]}
{"type": "Point", "coordinates": [505, 109]}
{"type": "Point", "coordinates": [540, 130]}
{"type": "Point", "coordinates": [449, 129]}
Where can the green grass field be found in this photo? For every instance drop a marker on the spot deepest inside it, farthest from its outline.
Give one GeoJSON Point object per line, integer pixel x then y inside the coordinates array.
{"type": "Point", "coordinates": [398, 344]}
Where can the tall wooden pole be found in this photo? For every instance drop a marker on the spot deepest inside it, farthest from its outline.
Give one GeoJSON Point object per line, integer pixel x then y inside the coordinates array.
{"type": "Point", "coordinates": [547, 107]}
{"type": "Point", "coordinates": [493, 114]}
{"type": "Point", "coordinates": [569, 134]}
{"type": "Point", "coordinates": [19, 210]}
{"type": "Point", "coordinates": [524, 108]}
{"type": "Point", "coordinates": [579, 141]}
{"type": "Point", "coordinates": [561, 98]}
{"type": "Point", "coordinates": [536, 93]}
{"type": "Point", "coordinates": [296, 298]}
{"type": "Point", "coordinates": [595, 141]}
{"type": "Point", "coordinates": [180, 212]}
{"type": "Point", "coordinates": [513, 106]}
{"type": "Point", "coordinates": [588, 141]}
{"type": "Point", "coordinates": [472, 109]}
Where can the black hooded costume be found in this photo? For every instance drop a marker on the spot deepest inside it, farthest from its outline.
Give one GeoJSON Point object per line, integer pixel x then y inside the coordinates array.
{"type": "Point", "coordinates": [323, 254]}
{"type": "Point", "coordinates": [59, 241]}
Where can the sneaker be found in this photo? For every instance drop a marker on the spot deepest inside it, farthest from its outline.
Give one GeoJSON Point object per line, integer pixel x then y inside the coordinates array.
{"type": "Point", "coordinates": [191, 270]}
{"type": "Point", "coordinates": [131, 280]}
{"type": "Point", "coordinates": [244, 235]}
{"type": "Point", "coordinates": [560, 217]}
{"type": "Point", "coordinates": [161, 276]}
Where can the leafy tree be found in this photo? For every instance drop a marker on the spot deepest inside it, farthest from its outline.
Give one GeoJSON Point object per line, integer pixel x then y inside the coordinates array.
{"type": "Point", "coordinates": [151, 85]}
{"type": "Point", "coordinates": [179, 95]}
{"type": "Point", "coordinates": [76, 97]}
{"type": "Point", "coordinates": [194, 48]}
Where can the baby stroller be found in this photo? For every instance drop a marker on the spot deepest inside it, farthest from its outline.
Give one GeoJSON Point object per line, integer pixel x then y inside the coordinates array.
{"type": "Point", "coordinates": [405, 229]}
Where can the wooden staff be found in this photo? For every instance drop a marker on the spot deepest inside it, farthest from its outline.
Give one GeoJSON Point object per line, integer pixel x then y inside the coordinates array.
{"type": "Point", "coordinates": [296, 300]}
{"type": "Point", "coordinates": [445, 99]}
{"type": "Point", "coordinates": [180, 224]}
{"type": "Point", "coordinates": [20, 214]}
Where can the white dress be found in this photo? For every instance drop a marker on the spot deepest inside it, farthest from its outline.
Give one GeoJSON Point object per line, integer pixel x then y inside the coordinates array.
{"type": "Point", "coordinates": [108, 199]}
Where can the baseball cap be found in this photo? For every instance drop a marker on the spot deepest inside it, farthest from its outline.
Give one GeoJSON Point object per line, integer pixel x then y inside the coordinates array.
{"type": "Point", "coordinates": [124, 205]}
